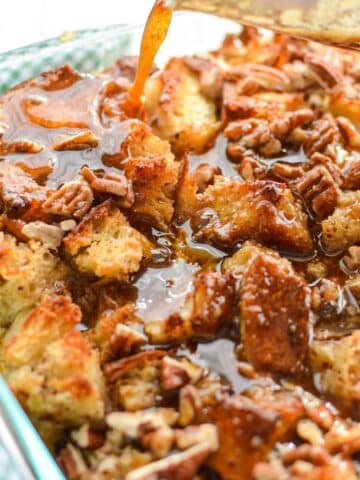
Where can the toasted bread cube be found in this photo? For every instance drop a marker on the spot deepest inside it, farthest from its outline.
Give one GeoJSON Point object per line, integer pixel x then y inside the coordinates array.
{"type": "Point", "coordinates": [28, 271]}
{"type": "Point", "coordinates": [20, 195]}
{"type": "Point", "coordinates": [154, 181]}
{"type": "Point", "coordinates": [177, 109]}
{"type": "Point", "coordinates": [51, 368]}
{"type": "Point", "coordinates": [28, 336]}
{"type": "Point", "coordinates": [342, 228]}
{"type": "Point", "coordinates": [136, 380]}
{"type": "Point", "coordinates": [241, 421]}
{"type": "Point", "coordinates": [337, 362]}
{"type": "Point", "coordinates": [105, 245]}
{"type": "Point", "coordinates": [265, 211]}
{"type": "Point", "coordinates": [153, 170]}
{"type": "Point", "coordinates": [206, 310]}
{"type": "Point", "coordinates": [275, 315]}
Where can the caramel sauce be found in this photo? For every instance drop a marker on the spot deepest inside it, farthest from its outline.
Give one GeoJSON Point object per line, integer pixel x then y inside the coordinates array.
{"type": "Point", "coordinates": [155, 31]}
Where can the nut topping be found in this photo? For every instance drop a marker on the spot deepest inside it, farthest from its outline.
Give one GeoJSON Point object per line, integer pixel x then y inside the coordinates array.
{"type": "Point", "coordinates": [319, 191]}
{"type": "Point", "coordinates": [112, 184]}
{"type": "Point", "coordinates": [72, 462]}
{"type": "Point", "coordinates": [81, 141]}
{"type": "Point", "coordinates": [86, 437]}
{"type": "Point", "coordinates": [49, 235]}
{"type": "Point", "coordinates": [73, 199]}
{"type": "Point", "coordinates": [20, 146]}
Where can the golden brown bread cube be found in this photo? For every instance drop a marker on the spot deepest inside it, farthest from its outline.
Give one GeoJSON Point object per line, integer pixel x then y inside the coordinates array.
{"type": "Point", "coordinates": [248, 430]}
{"type": "Point", "coordinates": [275, 315]}
{"type": "Point", "coordinates": [20, 195]}
{"type": "Point", "coordinates": [338, 366]}
{"type": "Point", "coordinates": [137, 380]}
{"type": "Point", "coordinates": [151, 167]}
{"type": "Point", "coordinates": [177, 109]}
{"type": "Point", "coordinates": [207, 309]}
{"type": "Point", "coordinates": [28, 271]}
{"type": "Point", "coordinates": [51, 368]}
{"type": "Point", "coordinates": [342, 228]}
{"type": "Point", "coordinates": [105, 245]}
{"type": "Point", "coordinates": [154, 181]}
{"type": "Point", "coordinates": [265, 211]}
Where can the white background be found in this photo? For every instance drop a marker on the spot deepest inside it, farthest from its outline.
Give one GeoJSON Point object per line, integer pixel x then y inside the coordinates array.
{"type": "Point", "coordinates": [28, 21]}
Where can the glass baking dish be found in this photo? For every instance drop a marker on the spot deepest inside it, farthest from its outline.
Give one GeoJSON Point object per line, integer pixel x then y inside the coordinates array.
{"type": "Point", "coordinates": [87, 51]}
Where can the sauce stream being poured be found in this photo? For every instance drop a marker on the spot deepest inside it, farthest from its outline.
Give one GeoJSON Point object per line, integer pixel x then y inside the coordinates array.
{"type": "Point", "coordinates": [155, 31]}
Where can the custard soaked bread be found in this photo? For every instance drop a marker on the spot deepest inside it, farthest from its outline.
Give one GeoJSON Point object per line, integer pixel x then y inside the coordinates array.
{"type": "Point", "coordinates": [179, 292]}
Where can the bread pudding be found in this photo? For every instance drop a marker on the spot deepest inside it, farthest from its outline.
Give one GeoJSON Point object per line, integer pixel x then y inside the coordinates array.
{"type": "Point", "coordinates": [180, 292]}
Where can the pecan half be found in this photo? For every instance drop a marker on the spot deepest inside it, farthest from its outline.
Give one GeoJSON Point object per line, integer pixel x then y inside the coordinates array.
{"type": "Point", "coordinates": [204, 175]}
{"type": "Point", "coordinates": [324, 134]}
{"type": "Point", "coordinates": [282, 127]}
{"type": "Point", "coordinates": [73, 199]}
{"type": "Point", "coordinates": [252, 134]}
{"type": "Point", "coordinates": [254, 77]}
{"type": "Point", "coordinates": [351, 175]}
{"type": "Point", "coordinates": [319, 191]}
{"type": "Point", "coordinates": [112, 184]}
{"type": "Point", "coordinates": [327, 74]}
{"type": "Point", "coordinates": [81, 141]}
{"type": "Point", "coordinates": [318, 159]}
{"type": "Point", "coordinates": [20, 146]}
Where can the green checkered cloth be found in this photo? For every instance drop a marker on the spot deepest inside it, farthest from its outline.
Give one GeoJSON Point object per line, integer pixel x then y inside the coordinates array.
{"type": "Point", "coordinates": [85, 50]}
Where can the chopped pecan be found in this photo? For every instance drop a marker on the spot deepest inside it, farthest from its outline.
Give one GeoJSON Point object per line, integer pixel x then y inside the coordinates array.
{"type": "Point", "coordinates": [72, 462]}
{"type": "Point", "coordinates": [282, 127]}
{"type": "Point", "coordinates": [319, 191]}
{"type": "Point", "coordinates": [73, 199]}
{"type": "Point", "coordinates": [349, 132]}
{"type": "Point", "coordinates": [20, 146]}
{"type": "Point", "coordinates": [326, 73]}
{"type": "Point", "coordinates": [86, 437]}
{"type": "Point", "coordinates": [310, 432]}
{"type": "Point", "coordinates": [81, 141]}
{"type": "Point", "coordinates": [286, 171]}
{"type": "Point", "coordinates": [249, 168]}
{"type": "Point", "coordinates": [151, 429]}
{"type": "Point", "coordinates": [322, 416]}
{"type": "Point", "coordinates": [260, 77]}
{"type": "Point", "coordinates": [313, 453]}
{"type": "Point", "coordinates": [125, 339]}
{"type": "Point", "coordinates": [352, 258]}
{"type": "Point", "coordinates": [327, 161]}
{"type": "Point", "coordinates": [189, 405]}
{"type": "Point", "coordinates": [49, 235]}
{"type": "Point", "coordinates": [195, 434]}
{"type": "Point", "coordinates": [176, 374]}
{"type": "Point", "coordinates": [252, 134]}
{"type": "Point", "coordinates": [324, 135]}
{"type": "Point", "coordinates": [351, 175]}
{"type": "Point", "coordinates": [179, 466]}
{"type": "Point", "coordinates": [112, 184]}
{"type": "Point", "coordinates": [204, 175]}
